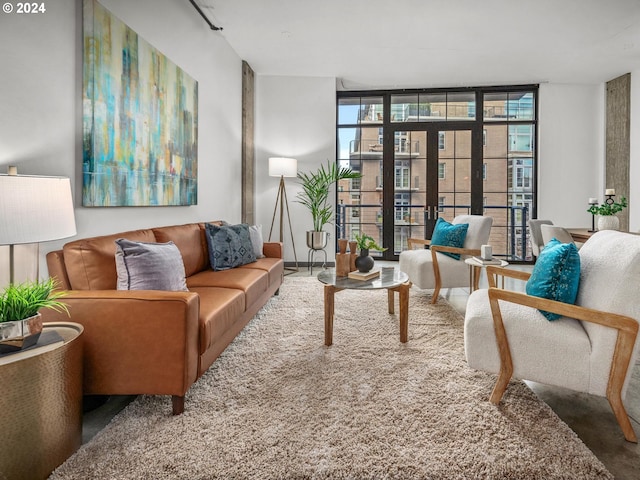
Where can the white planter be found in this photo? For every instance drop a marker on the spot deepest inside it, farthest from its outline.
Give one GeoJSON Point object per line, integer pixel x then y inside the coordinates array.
{"type": "Point", "coordinates": [608, 222]}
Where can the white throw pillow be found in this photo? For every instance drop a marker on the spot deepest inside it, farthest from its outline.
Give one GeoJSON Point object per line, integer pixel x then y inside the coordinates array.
{"type": "Point", "coordinates": [149, 266]}
{"type": "Point", "coordinates": [255, 233]}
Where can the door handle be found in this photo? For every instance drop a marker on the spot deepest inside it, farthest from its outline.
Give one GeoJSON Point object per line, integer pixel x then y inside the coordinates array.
{"type": "Point", "coordinates": [431, 213]}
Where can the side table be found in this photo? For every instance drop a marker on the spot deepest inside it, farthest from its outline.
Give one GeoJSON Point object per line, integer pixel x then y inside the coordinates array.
{"type": "Point", "coordinates": [474, 272]}
{"type": "Point", "coordinates": [41, 405]}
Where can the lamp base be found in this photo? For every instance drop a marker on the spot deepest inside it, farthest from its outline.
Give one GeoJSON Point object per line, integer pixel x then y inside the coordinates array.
{"type": "Point", "coordinates": [281, 199]}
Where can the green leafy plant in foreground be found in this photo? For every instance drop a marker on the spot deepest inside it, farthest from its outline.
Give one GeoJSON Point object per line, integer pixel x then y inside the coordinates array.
{"type": "Point", "coordinates": [24, 300]}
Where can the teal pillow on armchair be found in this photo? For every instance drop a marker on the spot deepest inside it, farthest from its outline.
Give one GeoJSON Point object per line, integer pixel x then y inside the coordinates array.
{"type": "Point", "coordinates": [556, 274]}
{"type": "Point", "coordinates": [449, 235]}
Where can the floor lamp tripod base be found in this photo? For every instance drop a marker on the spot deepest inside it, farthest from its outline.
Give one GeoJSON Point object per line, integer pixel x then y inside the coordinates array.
{"type": "Point", "coordinates": [281, 199]}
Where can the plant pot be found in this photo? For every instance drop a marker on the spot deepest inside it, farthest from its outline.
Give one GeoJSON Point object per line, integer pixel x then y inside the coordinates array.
{"type": "Point", "coordinates": [608, 222]}
{"type": "Point", "coordinates": [364, 262]}
{"type": "Point", "coordinates": [317, 240]}
{"type": "Point", "coordinates": [20, 334]}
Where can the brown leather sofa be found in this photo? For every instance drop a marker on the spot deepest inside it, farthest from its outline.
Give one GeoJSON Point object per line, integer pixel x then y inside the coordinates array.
{"type": "Point", "coordinates": [158, 342]}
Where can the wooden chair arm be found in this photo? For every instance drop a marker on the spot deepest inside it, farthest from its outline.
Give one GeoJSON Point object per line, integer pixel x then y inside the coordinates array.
{"type": "Point", "coordinates": [458, 250]}
{"type": "Point", "coordinates": [436, 267]}
{"type": "Point", "coordinates": [493, 270]}
{"type": "Point", "coordinates": [411, 242]}
{"type": "Point", "coordinates": [612, 320]}
{"type": "Point", "coordinates": [627, 334]}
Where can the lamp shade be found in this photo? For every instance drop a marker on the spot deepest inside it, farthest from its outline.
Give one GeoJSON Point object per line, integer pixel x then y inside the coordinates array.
{"type": "Point", "coordinates": [35, 209]}
{"type": "Point", "coordinates": [283, 167]}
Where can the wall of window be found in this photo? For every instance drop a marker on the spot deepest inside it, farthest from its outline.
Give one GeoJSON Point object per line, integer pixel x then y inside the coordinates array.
{"type": "Point", "coordinates": [383, 134]}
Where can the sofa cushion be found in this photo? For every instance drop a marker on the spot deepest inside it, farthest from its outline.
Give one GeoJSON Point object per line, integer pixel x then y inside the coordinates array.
{"type": "Point", "coordinates": [219, 309]}
{"type": "Point", "coordinates": [229, 246]}
{"type": "Point", "coordinates": [274, 266]}
{"type": "Point", "coordinates": [252, 281]}
{"type": "Point", "coordinates": [191, 242]}
{"type": "Point", "coordinates": [149, 266]}
{"type": "Point", "coordinates": [90, 262]}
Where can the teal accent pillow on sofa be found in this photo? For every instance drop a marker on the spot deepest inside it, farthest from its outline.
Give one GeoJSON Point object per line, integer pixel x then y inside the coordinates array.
{"type": "Point", "coordinates": [229, 246]}
{"type": "Point", "coordinates": [556, 274]}
{"type": "Point", "coordinates": [449, 235]}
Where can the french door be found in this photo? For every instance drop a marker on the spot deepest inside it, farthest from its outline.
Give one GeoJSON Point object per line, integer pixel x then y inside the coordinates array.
{"type": "Point", "coordinates": [429, 172]}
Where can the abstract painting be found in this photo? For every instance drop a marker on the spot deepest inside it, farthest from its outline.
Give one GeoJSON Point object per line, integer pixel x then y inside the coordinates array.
{"type": "Point", "coordinates": [140, 127]}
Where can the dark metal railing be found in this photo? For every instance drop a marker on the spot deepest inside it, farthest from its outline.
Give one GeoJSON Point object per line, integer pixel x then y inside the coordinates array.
{"type": "Point", "coordinates": [513, 223]}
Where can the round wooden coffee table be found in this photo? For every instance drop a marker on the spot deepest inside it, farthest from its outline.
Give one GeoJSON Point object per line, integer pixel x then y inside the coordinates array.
{"type": "Point", "coordinates": [398, 282]}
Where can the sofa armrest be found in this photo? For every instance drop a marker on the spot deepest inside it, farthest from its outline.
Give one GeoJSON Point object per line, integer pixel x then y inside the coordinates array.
{"type": "Point", "coordinates": [135, 342]}
{"type": "Point", "coordinates": [273, 249]}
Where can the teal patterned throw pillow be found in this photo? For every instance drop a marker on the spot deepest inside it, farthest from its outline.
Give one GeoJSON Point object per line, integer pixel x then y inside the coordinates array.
{"type": "Point", "coordinates": [229, 246]}
{"type": "Point", "coordinates": [556, 274]}
{"type": "Point", "coordinates": [449, 235]}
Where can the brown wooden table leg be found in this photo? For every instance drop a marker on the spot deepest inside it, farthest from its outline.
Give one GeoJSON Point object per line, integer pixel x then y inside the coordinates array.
{"type": "Point", "coordinates": [404, 311]}
{"type": "Point", "coordinates": [390, 294]}
{"type": "Point", "coordinates": [329, 291]}
{"type": "Point", "coordinates": [476, 277]}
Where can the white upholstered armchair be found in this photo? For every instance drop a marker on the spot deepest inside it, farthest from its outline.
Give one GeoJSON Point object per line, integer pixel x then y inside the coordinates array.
{"type": "Point", "coordinates": [592, 348]}
{"type": "Point", "coordinates": [428, 269]}
{"type": "Point", "coordinates": [535, 230]}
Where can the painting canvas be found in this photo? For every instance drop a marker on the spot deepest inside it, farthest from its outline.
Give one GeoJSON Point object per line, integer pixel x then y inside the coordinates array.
{"type": "Point", "coordinates": [140, 125]}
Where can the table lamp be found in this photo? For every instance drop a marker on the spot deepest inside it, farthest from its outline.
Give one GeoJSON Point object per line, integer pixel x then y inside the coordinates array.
{"type": "Point", "coordinates": [34, 209]}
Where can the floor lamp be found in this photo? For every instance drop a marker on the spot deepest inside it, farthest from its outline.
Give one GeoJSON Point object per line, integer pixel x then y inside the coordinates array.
{"type": "Point", "coordinates": [34, 209]}
{"type": "Point", "coordinates": [283, 167]}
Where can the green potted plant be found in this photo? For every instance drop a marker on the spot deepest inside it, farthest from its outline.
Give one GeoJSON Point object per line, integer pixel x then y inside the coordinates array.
{"type": "Point", "coordinates": [316, 187]}
{"type": "Point", "coordinates": [364, 261]}
{"type": "Point", "coordinates": [606, 213]}
{"type": "Point", "coordinates": [20, 320]}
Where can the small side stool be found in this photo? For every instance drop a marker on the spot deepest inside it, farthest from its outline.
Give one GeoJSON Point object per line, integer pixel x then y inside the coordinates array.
{"type": "Point", "coordinates": [41, 404]}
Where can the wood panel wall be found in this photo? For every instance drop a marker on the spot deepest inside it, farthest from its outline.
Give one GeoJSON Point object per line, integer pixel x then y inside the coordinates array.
{"type": "Point", "coordinates": [248, 150]}
{"type": "Point", "coordinates": [618, 122]}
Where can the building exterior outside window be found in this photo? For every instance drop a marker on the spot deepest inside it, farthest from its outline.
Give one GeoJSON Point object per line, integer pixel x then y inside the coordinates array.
{"type": "Point", "coordinates": [505, 158]}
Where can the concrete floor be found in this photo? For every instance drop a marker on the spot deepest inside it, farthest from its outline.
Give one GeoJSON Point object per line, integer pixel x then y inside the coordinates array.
{"type": "Point", "coordinates": [589, 416]}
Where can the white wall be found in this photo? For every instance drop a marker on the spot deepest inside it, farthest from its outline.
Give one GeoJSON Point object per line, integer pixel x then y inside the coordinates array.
{"type": "Point", "coordinates": [41, 122]}
{"type": "Point", "coordinates": [634, 170]}
{"type": "Point", "coordinates": [295, 117]}
{"type": "Point", "coordinates": [40, 98]}
{"type": "Point", "coordinates": [571, 152]}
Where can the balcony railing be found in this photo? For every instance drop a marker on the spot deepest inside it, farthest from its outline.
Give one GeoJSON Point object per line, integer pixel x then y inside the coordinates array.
{"type": "Point", "coordinates": [516, 246]}
{"type": "Point", "coordinates": [363, 146]}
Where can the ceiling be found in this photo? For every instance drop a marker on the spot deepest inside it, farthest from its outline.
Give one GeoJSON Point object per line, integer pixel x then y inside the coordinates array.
{"type": "Point", "coordinates": [369, 44]}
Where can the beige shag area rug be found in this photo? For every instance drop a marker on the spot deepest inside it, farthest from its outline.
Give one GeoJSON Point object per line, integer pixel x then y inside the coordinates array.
{"type": "Point", "coordinates": [278, 404]}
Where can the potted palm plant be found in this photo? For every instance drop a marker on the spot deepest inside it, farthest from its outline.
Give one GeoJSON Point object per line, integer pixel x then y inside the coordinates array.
{"type": "Point", "coordinates": [20, 320]}
{"type": "Point", "coordinates": [316, 187]}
